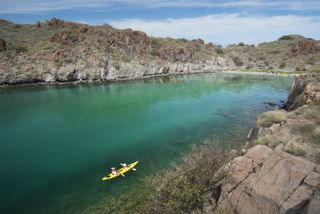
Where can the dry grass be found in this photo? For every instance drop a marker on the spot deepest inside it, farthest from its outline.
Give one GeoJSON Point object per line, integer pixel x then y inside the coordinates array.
{"type": "Point", "coordinates": [295, 150]}
{"type": "Point", "coordinates": [268, 118]}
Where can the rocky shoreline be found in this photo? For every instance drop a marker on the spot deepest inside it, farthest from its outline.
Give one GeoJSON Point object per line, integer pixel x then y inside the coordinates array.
{"type": "Point", "coordinates": [282, 173]}
{"type": "Point", "coordinates": [57, 51]}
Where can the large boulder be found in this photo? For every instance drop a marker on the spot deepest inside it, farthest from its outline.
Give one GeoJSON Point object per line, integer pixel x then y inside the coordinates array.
{"type": "Point", "coordinates": [269, 181]}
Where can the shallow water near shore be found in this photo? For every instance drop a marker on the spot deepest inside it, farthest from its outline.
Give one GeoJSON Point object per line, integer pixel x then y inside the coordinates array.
{"type": "Point", "coordinates": [57, 143]}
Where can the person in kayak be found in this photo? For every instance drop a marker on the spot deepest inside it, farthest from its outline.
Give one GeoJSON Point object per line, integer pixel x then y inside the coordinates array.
{"type": "Point", "coordinates": [114, 171]}
{"type": "Point", "coordinates": [124, 165]}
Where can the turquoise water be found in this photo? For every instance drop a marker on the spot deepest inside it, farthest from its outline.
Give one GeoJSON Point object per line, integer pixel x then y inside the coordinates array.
{"type": "Point", "coordinates": [57, 142]}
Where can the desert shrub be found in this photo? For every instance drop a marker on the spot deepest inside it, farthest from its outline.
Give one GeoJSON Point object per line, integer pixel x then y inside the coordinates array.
{"type": "Point", "coordinates": [241, 44]}
{"type": "Point", "coordinates": [314, 69]}
{"type": "Point", "coordinates": [316, 134]}
{"type": "Point", "coordinates": [17, 26]}
{"type": "Point", "coordinates": [305, 128]}
{"type": "Point", "coordinates": [182, 189]}
{"type": "Point", "coordinates": [17, 48]}
{"type": "Point", "coordinates": [116, 66]}
{"type": "Point", "coordinates": [275, 52]}
{"type": "Point", "coordinates": [219, 51]}
{"type": "Point", "coordinates": [264, 140]}
{"type": "Point", "coordinates": [311, 61]}
{"type": "Point", "coordinates": [286, 37]}
{"type": "Point", "coordinates": [282, 65]}
{"type": "Point", "coordinates": [237, 61]}
{"type": "Point", "coordinates": [295, 150]}
{"type": "Point", "coordinates": [266, 119]}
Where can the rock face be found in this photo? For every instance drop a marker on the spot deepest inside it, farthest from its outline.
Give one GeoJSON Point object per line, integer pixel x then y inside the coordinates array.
{"type": "Point", "coordinates": [59, 45]}
{"type": "Point", "coordinates": [304, 90]}
{"type": "Point", "coordinates": [269, 181]}
{"type": "Point", "coordinates": [3, 45]}
{"type": "Point", "coordinates": [306, 47]}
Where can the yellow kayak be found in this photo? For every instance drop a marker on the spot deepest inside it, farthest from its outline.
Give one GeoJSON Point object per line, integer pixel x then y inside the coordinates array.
{"type": "Point", "coordinates": [120, 171]}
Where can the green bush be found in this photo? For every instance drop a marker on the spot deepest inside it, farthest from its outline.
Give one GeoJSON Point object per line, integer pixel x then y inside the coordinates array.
{"type": "Point", "coordinates": [182, 189]}
{"type": "Point", "coordinates": [286, 37]}
{"type": "Point", "coordinates": [316, 134]}
{"type": "Point", "coordinates": [261, 141]}
{"type": "Point", "coordinates": [266, 119]}
{"type": "Point", "coordinates": [219, 51]}
{"type": "Point", "coordinates": [17, 48]}
{"type": "Point", "coordinates": [241, 44]}
{"type": "Point", "coordinates": [295, 150]}
{"type": "Point", "coordinates": [282, 65]}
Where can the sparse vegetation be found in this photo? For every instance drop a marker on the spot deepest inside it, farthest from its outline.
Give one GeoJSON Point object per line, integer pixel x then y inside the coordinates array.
{"type": "Point", "coordinates": [261, 141]}
{"type": "Point", "coordinates": [182, 189]}
{"type": "Point", "coordinates": [17, 48]}
{"type": "Point", "coordinates": [219, 51]}
{"type": "Point", "coordinates": [282, 65]}
{"type": "Point", "coordinates": [295, 150]}
{"type": "Point", "coordinates": [286, 37]}
{"type": "Point", "coordinates": [268, 118]}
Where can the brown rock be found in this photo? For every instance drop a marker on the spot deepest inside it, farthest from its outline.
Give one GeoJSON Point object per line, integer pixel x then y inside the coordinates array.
{"type": "Point", "coordinates": [266, 181]}
{"type": "Point", "coordinates": [55, 22]}
{"type": "Point", "coordinates": [305, 89]}
{"type": "Point", "coordinates": [306, 47]}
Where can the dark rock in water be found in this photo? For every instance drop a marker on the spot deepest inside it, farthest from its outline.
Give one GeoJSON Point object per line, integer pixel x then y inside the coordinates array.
{"type": "Point", "coordinates": [270, 104]}
{"type": "Point", "coordinates": [251, 134]}
{"type": "Point", "coordinates": [3, 45]}
{"type": "Point", "coordinates": [73, 76]}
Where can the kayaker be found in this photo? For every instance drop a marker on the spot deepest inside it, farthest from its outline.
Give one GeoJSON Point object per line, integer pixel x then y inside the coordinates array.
{"type": "Point", "coordinates": [124, 165]}
{"type": "Point", "coordinates": [114, 171]}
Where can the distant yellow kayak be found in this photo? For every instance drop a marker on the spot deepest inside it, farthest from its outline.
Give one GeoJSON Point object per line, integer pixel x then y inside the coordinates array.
{"type": "Point", "coordinates": [120, 171]}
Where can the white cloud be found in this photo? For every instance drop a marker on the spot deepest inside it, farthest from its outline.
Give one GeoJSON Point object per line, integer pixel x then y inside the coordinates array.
{"type": "Point", "coordinates": [36, 6]}
{"type": "Point", "coordinates": [227, 28]}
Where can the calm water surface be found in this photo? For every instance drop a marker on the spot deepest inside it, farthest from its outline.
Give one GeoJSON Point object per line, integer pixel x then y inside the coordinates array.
{"type": "Point", "coordinates": [57, 143]}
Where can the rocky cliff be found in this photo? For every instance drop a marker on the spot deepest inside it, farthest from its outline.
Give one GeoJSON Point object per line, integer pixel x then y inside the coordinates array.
{"type": "Point", "coordinates": [280, 172]}
{"type": "Point", "coordinates": [59, 51]}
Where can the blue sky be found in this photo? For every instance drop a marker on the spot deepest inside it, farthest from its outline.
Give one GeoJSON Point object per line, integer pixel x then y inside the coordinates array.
{"type": "Point", "coordinates": [223, 22]}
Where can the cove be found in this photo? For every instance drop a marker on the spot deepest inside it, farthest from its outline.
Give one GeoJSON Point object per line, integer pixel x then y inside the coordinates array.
{"type": "Point", "coordinates": [58, 142]}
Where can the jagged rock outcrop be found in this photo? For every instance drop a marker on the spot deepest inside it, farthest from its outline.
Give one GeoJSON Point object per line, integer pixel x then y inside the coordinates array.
{"type": "Point", "coordinates": [304, 90]}
{"type": "Point", "coordinates": [269, 181]}
{"type": "Point", "coordinates": [306, 47]}
{"type": "Point", "coordinates": [59, 45]}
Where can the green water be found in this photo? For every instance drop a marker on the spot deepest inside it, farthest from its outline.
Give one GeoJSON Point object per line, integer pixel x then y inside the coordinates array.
{"type": "Point", "coordinates": [57, 143]}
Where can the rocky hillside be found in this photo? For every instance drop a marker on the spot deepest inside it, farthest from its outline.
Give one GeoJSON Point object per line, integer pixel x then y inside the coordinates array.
{"type": "Point", "coordinates": [60, 51]}
{"type": "Point", "coordinates": [281, 174]}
